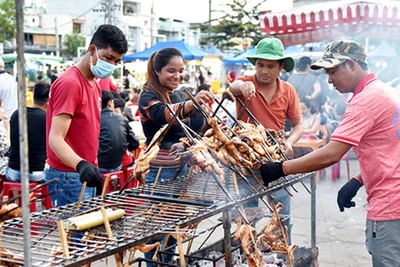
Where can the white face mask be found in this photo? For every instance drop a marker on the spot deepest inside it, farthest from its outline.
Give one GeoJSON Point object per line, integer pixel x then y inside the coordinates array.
{"type": "Point", "coordinates": [197, 75]}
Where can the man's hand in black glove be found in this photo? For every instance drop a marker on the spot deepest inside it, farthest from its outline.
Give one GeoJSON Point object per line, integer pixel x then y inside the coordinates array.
{"type": "Point", "coordinates": [89, 173]}
{"type": "Point", "coordinates": [271, 171]}
{"type": "Point", "coordinates": [346, 194]}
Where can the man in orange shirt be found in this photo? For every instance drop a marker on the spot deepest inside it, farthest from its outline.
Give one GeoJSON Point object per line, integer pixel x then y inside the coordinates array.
{"type": "Point", "coordinates": [272, 100]}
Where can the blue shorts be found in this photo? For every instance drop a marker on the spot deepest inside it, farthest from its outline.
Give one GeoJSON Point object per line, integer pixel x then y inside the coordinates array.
{"type": "Point", "coordinates": [68, 187]}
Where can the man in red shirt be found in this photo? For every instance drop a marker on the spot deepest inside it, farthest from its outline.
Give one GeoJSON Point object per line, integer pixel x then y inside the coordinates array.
{"type": "Point", "coordinates": [371, 126]}
{"type": "Point", "coordinates": [73, 118]}
{"type": "Point", "coordinates": [272, 100]}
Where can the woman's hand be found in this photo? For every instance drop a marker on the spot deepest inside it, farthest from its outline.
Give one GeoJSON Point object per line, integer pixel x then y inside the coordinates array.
{"type": "Point", "coordinates": [204, 97]}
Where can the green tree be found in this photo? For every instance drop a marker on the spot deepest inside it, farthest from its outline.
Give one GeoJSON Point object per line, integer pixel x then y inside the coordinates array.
{"type": "Point", "coordinates": [239, 21]}
{"type": "Point", "coordinates": [7, 20]}
{"type": "Point", "coordinates": [72, 42]}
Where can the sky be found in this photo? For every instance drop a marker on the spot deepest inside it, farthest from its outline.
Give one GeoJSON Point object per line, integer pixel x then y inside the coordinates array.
{"type": "Point", "coordinates": [198, 10]}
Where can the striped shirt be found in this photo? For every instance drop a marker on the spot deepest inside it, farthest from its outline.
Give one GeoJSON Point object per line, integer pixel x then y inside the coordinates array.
{"type": "Point", "coordinates": [154, 114]}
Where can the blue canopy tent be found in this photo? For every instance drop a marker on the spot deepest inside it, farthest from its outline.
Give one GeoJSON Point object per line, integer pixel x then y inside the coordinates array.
{"type": "Point", "coordinates": [240, 59]}
{"type": "Point", "coordinates": [189, 52]}
{"type": "Point", "coordinates": [215, 51]}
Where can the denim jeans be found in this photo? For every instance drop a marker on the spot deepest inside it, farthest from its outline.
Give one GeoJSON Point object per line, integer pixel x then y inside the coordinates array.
{"type": "Point", "coordinates": [68, 187]}
{"type": "Point", "coordinates": [165, 175]}
{"type": "Point", "coordinates": [15, 176]}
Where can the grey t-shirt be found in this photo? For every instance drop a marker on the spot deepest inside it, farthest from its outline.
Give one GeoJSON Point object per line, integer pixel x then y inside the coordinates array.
{"type": "Point", "coordinates": [303, 83]}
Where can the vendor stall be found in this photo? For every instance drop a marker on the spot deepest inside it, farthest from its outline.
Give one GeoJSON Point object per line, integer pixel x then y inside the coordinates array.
{"type": "Point", "coordinates": [124, 220]}
{"type": "Point", "coordinates": [330, 20]}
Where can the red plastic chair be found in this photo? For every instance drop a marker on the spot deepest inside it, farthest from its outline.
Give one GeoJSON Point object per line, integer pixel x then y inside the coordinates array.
{"type": "Point", "coordinates": [128, 171]}
{"type": "Point", "coordinates": [336, 167]}
{"type": "Point", "coordinates": [10, 187]}
{"type": "Point", "coordinates": [117, 179]}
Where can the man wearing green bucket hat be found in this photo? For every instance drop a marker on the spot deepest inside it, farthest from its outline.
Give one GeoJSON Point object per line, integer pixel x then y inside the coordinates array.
{"type": "Point", "coordinates": [271, 100]}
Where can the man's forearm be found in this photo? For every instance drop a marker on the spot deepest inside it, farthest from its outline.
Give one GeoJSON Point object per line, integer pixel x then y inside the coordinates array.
{"type": "Point", "coordinates": [64, 152]}
{"type": "Point", "coordinates": [235, 87]}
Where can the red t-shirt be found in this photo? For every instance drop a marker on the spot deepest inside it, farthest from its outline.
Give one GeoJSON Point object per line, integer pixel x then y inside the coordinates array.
{"type": "Point", "coordinates": [371, 125]}
{"type": "Point", "coordinates": [284, 104]}
{"type": "Point", "coordinates": [72, 94]}
{"type": "Point", "coordinates": [107, 84]}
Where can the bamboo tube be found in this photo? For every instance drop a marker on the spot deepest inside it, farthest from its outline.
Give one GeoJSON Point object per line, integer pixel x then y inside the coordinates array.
{"type": "Point", "coordinates": [93, 219]}
{"type": "Point", "coordinates": [63, 238]}
{"type": "Point", "coordinates": [81, 195]}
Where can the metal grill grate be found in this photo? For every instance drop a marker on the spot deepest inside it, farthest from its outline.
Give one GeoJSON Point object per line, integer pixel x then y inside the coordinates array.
{"type": "Point", "coordinates": [149, 212]}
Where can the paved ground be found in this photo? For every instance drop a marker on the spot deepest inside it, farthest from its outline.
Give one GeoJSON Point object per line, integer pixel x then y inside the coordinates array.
{"type": "Point", "coordinates": [340, 235]}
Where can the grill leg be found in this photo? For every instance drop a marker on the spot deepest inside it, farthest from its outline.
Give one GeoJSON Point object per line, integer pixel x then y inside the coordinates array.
{"type": "Point", "coordinates": [227, 234]}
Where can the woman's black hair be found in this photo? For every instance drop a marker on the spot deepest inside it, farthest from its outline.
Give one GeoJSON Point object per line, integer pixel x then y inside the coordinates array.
{"type": "Point", "coordinates": [157, 61]}
{"type": "Point", "coordinates": [110, 36]}
{"type": "Point", "coordinates": [311, 104]}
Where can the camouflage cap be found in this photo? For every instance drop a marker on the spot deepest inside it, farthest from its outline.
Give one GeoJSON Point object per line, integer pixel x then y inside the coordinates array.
{"type": "Point", "coordinates": [338, 52]}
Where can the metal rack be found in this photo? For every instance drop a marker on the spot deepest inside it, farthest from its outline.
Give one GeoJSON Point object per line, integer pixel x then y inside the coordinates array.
{"type": "Point", "coordinates": [149, 212]}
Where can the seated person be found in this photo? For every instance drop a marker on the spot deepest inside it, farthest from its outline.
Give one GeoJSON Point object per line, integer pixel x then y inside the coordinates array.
{"type": "Point", "coordinates": [36, 122]}
{"type": "Point", "coordinates": [115, 138]}
{"type": "Point", "coordinates": [311, 123]}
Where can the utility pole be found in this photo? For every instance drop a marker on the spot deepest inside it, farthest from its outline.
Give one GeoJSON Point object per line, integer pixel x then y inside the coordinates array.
{"type": "Point", "coordinates": [209, 23]}
{"type": "Point", "coordinates": [109, 8]}
{"type": "Point", "coordinates": [23, 133]}
{"type": "Point", "coordinates": [57, 41]}
{"type": "Point", "coordinates": [152, 23]}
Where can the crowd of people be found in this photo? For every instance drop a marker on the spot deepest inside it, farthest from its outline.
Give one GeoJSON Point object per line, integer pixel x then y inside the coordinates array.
{"type": "Point", "coordinates": [78, 124]}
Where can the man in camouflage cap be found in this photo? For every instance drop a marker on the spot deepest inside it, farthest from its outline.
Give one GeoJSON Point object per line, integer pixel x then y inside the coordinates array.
{"type": "Point", "coordinates": [338, 52]}
{"type": "Point", "coordinates": [371, 126]}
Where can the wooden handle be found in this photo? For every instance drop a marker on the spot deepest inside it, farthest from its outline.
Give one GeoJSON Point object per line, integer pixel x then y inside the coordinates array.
{"type": "Point", "coordinates": [78, 204]}
{"type": "Point", "coordinates": [105, 185]}
{"type": "Point", "coordinates": [63, 238]}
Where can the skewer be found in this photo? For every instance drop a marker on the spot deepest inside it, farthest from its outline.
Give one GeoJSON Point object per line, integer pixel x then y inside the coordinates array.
{"type": "Point", "coordinates": [180, 248]}
{"type": "Point", "coordinates": [109, 232]}
{"type": "Point", "coordinates": [229, 114]}
{"type": "Point", "coordinates": [218, 107]}
{"type": "Point", "coordinates": [239, 116]}
{"type": "Point", "coordinates": [165, 131]}
{"type": "Point", "coordinates": [63, 238]}
{"type": "Point", "coordinates": [78, 204]}
{"type": "Point", "coordinates": [213, 174]}
{"type": "Point", "coordinates": [105, 185]}
{"type": "Point", "coordinates": [250, 185]}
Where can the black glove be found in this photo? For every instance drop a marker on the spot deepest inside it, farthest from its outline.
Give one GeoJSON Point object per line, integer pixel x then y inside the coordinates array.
{"type": "Point", "coordinates": [346, 194]}
{"type": "Point", "coordinates": [89, 173]}
{"type": "Point", "coordinates": [271, 171]}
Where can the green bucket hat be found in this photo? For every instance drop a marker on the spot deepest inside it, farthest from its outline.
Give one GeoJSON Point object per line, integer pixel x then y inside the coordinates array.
{"type": "Point", "coordinates": [338, 52]}
{"type": "Point", "coordinates": [272, 49]}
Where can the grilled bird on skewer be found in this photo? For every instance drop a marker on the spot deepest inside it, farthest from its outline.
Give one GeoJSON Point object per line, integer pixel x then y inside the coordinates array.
{"type": "Point", "coordinates": [8, 257]}
{"type": "Point", "coordinates": [248, 237]}
{"type": "Point", "coordinates": [274, 236]}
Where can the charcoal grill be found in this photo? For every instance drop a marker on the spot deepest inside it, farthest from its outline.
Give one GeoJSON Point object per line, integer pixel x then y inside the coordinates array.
{"type": "Point", "coordinates": [195, 199]}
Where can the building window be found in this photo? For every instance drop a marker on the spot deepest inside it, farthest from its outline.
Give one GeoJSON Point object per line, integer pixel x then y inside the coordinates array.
{"type": "Point", "coordinates": [132, 33]}
{"type": "Point", "coordinates": [131, 8]}
{"type": "Point", "coordinates": [76, 28]}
